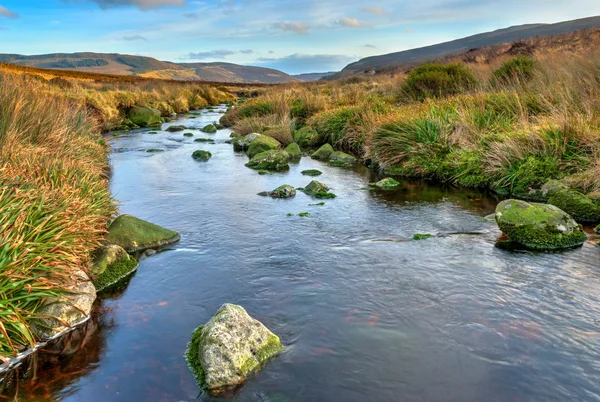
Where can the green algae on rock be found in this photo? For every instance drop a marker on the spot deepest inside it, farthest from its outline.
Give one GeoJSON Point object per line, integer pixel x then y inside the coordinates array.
{"type": "Point", "coordinates": [294, 151]}
{"type": "Point", "coordinates": [307, 137]}
{"type": "Point", "coordinates": [579, 206]}
{"type": "Point", "coordinates": [111, 266]}
{"type": "Point", "coordinates": [134, 234]}
{"type": "Point", "coordinates": [155, 150]}
{"type": "Point", "coordinates": [270, 160]}
{"type": "Point", "coordinates": [312, 172]}
{"type": "Point", "coordinates": [538, 226]}
{"type": "Point", "coordinates": [323, 153]}
{"type": "Point", "coordinates": [304, 214]}
{"type": "Point", "coordinates": [201, 155]}
{"type": "Point", "coordinates": [341, 159]}
{"type": "Point", "coordinates": [420, 236]}
{"type": "Point", "coordinates": [315, 187]}
{"type": "Point", "coordinates": [209, 129]}
{"type": "Point", "coordinates": [242, 143]}
{"type": "Point", "coordinates": [174, 129]}
{"type": "Point", "coordinates": [188, 134]}
{"type": "Point", "coordinates": [204, 140]}
{"type": "Point", "coordinates": [144, 116]}
{"type": "Point", "coordinates": [229, 348]}
{"type": "Point", "coordinates": [285, 191]}
{"type": "Point", "coordinates": [387, 184]}
{"type": "Point", "coordinates": [262, 143]}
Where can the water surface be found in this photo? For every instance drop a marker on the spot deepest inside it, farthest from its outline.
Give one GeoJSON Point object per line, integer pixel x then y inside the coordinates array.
{"type": "Point", "coordinates": [366, 314]}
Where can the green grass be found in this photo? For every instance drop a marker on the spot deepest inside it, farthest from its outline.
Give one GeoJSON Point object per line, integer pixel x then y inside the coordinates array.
{"type": "Point", "coordinates": [433, 80]}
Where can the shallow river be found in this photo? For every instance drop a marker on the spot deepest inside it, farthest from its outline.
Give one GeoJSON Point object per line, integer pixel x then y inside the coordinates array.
{"type": "Point", "coordinates": [365, 315]}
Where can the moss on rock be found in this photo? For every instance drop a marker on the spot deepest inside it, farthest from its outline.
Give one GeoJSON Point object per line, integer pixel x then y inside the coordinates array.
{"type": "Point", "coordinates": [134, 234]}
{"type": "Point", "coordinates": [209, 129]}
{"type": "Point", "coordinates": [144, 116]}
{"type": "Point", "coordinates": [201, 155]}
{"type": "Point", "coordinates": [270, 160]}
{"type": "Point", "coordinates": [315, 187]}
{"type": "Point", "coordinates": [312, 172]}
{"type": "Point", "coordinates": [307, 137]}
{"type": "Point", "coordinates": [204, 140]}
{"type": "Point", "coordinates": [262, 143]}
{"type": "Point", "coordinates": [174, 129]}
{"type": "Point", "coordinates": [285, 191]}
{"type": "Point", "coordinates": [387, 184]}
{"type": "Point", "coordinates": [155, 150]}
{"type": "Point", "coordinates": [115, 273]}
{"type": "Point", "coordinates": [420, 236]}
{"type": "Point", "coordinates": [576, 204]}
{"type": "Point", "coordinates": [341, 159]}
{"type": "Point", "coordinates": [538, 226]}
{"type": "Point", "coordinates": [294, 151]}
{"type": "Point", "coordinates": [188, 134]}
{"type": "Point", "coordinates": [323, 153]}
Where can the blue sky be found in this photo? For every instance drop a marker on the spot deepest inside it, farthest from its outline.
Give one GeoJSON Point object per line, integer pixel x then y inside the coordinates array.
{"type": "Point", "coordinates": [294, 36]}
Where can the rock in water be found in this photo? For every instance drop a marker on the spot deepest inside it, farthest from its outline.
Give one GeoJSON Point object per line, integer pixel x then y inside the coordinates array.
{"type": "Point", "coordinates": [538, 226]}
{"type": "Point", "coordinates": [134, 234]}
{"type": "Point", "coordinates": [307, 137]}
{"type": "Point", "coordinates": [70, 310]}
{"type": "Point", "coordinates": [145, 116]}
{"type": "Point", "coordinates": [229, 348]}
{"type": "Point", "coordinates": [576, 204]}
{"type": "Point", "coordinates": [285, 191]}
{"type": "Point", "coordinates": [312, 172]}
{"type": "Point", "coordinates": [270, 160]}
{"type": "Point", "coordinates": [209, 129]}
{"type": "Point", "coordinates": [387, 184]}
{"type": "Point", "coordinates": [111, 265]}
{"type": "Point", "coordinates": [341, 159]}
{"type": "Point", "coordinates": [293, 151]}
{"type": "Point", "coordinates": [318, 190]}
{"type": "Point", "coordinates": [323, 153]}
{"type": "Point", "coordinates": [262, 143]}
{"type": "Point", "coordinates": [201, 155]}
{"type": "Point", "coordinates": [242, 143]}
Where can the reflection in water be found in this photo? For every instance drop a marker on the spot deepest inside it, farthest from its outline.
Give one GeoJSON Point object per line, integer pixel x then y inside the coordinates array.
{"type": "Point", "coordinates": [450, 318]}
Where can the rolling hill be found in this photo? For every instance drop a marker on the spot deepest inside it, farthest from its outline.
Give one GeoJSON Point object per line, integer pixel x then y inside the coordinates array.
{"type": "Point", "coordinates": [392, 61]}
{"type": "Point", "coordinates": [120, 64]}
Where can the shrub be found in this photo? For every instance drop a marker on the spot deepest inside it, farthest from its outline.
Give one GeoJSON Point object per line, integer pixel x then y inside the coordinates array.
{"type": "Point", "coordinates": [517, 70]}
{"type": "Point", "coordinates": [435, 80]}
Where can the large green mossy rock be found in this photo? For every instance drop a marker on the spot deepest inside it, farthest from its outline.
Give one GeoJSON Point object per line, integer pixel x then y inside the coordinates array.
{"type": "Point", "coordinates": [579, 206]}
{"type": "Point", "coordinates": [307, 137]}
{"type": "Point", "coordinates": [285, 191]}
{"type": "Point", "coordinates": [387, 184]}
{"type": "Point", "coordinates": [175, 129]}
{"type": "Point", "coordinates": [134, 234]}
{"type": "Point", "coordinates": [201, 155]}
{"type": "Point", "coordinates": [293, 151]}
{"type": "Point", "coordinates": [111, 265]}
{"type": "Point", "coordinates": [341, 159]}
{"type": "Point", "coordinates": [538, 226]}
{"type": "Point", "coordinates": [145, 116]}
{"type": "Point", "coordinates": [270, 160]}
{"type": "Point", "coordinates": [262, 143]}
{"type": "Point", "coordinates": [229, 348]}
{"type": "Point", "coordinates": [312, 172]}
{"type": "Point", "coordinates": [318, 190]}
{"type": "Point", "coordinates": [209, 129]}
{"type": "Point", "coordinates": [323, 153]}
{"type": "Point", "coordinates": [242, 143]}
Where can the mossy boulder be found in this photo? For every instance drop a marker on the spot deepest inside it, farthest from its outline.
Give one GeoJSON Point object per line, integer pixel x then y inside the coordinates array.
{"type": "Point", "coordinates": [341, 159]}
{"type": "Point", "coordinates": [262, 143]}
{"type": "Point", "coordinates": [576, 204]}
{"type": "Point", "coordinates": [111, 265]}
{"type": "Point", "coordinates": [270, 160]}
{"type": "Point", "coordinates": [312, 172]}
{"type": "Point", "coordinates": [538, 226]}
{"type": "Point", "coordinates": [201, 155]}
{"type": "Point", "coordinates": [188, 134]}
{"type": "Point", "coordinates": [229, 348]}
{"type": "Point", "coordinates": [204, 140]}
{"type": "Point", "coordinates": [242, 143]}
{"type": "Point", "coordinates": [71, 309]}
{"type": "Point", "coordinates": [294, 151]}
{"type": "Point", "coordinates": [155, 150]}
{"type": "Point", "coordinates": [145, 116]}
{"type": "Point", "coordinates": [174, 129]}
{"type": "Point", "coordinates": [285, 191]}
{"type": "Point", "coordinates": [209, 129]}
{"type": "Point", "coordinates": [595, 197]}
{"type": "Point", "coordinates": [307, 137]}
{"type": "Point", "coordinates": [387, 184]}
{"type": "Point", "coordinates": [323, 153]}
{"type": "Point", "coordinates": [134, 234]}
{"type": "Point", "coordinates": [318, 190]}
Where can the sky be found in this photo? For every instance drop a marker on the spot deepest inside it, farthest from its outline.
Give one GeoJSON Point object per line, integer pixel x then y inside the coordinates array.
{"type": "Point", "coordinates": [297, 36]}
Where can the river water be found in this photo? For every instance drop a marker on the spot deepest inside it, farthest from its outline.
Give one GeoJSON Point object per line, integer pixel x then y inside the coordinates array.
{"type": "Point", "coordinates": [366, 315]}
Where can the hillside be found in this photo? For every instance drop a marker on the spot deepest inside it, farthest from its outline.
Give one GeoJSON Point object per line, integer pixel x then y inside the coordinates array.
{"type": "Point", "coordinates": [389, 62]}
{"type": "Point", "coordinates": [312, 76]}
{"type": "Point", "coordinates": [119, 64]}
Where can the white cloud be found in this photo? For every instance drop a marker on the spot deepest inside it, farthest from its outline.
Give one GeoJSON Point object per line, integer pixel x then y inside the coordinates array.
{"type": "Point", "coordinates": [297, 27]}
{"type": "Point", "coordinates": [347, 22]}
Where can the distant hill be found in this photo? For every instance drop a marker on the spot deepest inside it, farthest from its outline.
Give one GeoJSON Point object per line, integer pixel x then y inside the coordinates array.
{"type": "Point", "coordinates": [120, 64]}
{"type": "Point", "coordinates": [389, 62]}
{"type": "Point", "coordinates": [312, 76]}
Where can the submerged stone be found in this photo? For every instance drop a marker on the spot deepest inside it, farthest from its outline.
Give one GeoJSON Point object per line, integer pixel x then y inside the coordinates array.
{"type": "Point", "coordinates": [538, 226]}
{"type": "Point", "coordinates": [420, 236]}
{"type": "Point", "coordinates": [144, 116]}
{"type": "Point", "coordinates": [209, 129]}
{"type": "Point", "coordinates": [387, 184]}
{"type": "Point", "coordinates": [312, 172]}
{"type": "Point", "coordinates": [174, 129]}
{"type": "Point", "coordinates": [576, 204]}
{"type": "Point", "coordinates": [262, 143]}
{"type": "Point", "coordinates": [201, 155]}
{"type": "Point", "coordinates": [294, 151]}
{"type": "Point", "coordinates": [134, 234]}
{"type": "Point", "coordinates": [229, 348]}
{"type": "Point", "coordinates": [188, 134]}
{"type": "Point", "coordinates": [155, 150]}
{"type": "Point", "coordinates": [304, 214]}
{"type": "Point", "coordinates": [285, 191]}
{"type": "Point", "coordinates": [270, 160]}
{"type": "Point", "coordinates": [341, 159]}
{"type": "Point", "coordinates": [323, 153]}
{"type": "Point", "coordinates": [204, 140]}
{"type": "Point", "coordinates": [71, 309]}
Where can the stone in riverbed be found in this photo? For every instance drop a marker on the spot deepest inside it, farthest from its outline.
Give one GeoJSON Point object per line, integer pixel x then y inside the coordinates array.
{"type": "Point", "coordinates": [285, 191]}
{"type": "Point", "coordinates": [230, 347]}
{"type": "Point", "coordinates": [262, 143]}
{"type": "Point", "coordinates": [312, 172]}
{"type": "Point", "coordinates": [307, 137]}
{"type": "Point", "coordinates": [111, 265]}
{"type": "Point", "coordinates": [71, 310]}
{"type": "Point", "coordinates": [318, 190]}
{"type": "Point", "coordinates": [270, 160]}
{"type": "Point", "coordinates": [538, 226]}
{"type": "Point", "coordinates": [201, 155]}
{"type": "Point", "coordinates": [576, 204]}
{"type": "Point", "coordinates": [134, 234]}
{"type": "Point", "coordinates": [242, 143]}
{"type": "Point", "coordinates": [387, 184]}
{"type": "Point", "coordinates": [144, 116]}
{"type": "Point", "coordinates": [209, 129]}
{"type": "Point", "coordinates": [323, 153]}
{"type": "Point", "coordinates": [341, 159]}
{"type": "Point", "coordinates": [294, 151]}
{"type": "Point", "coordinates": [174, 129]}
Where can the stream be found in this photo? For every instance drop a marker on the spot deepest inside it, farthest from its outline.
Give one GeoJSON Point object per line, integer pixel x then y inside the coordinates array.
{"type": "Point", "coordinates": [366, 313]}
